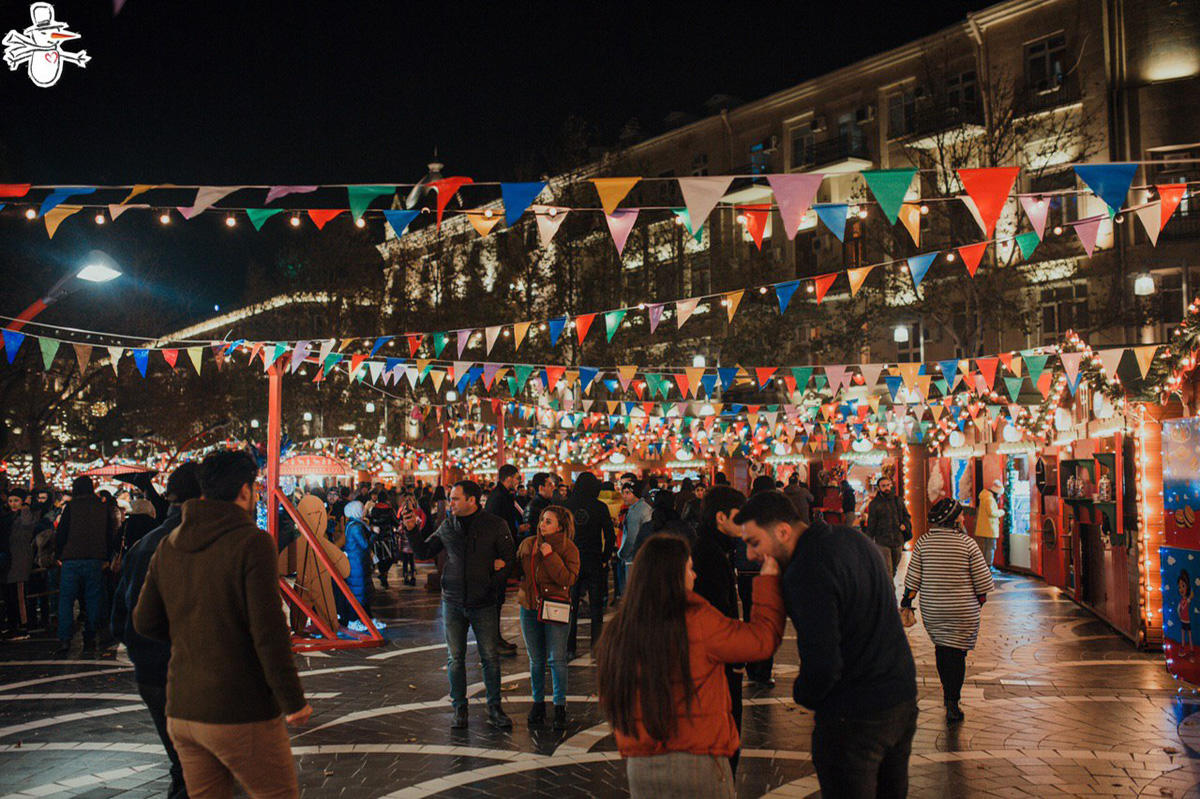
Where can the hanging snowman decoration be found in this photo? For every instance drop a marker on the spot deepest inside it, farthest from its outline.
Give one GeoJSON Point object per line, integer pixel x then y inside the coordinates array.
{"type": "Point", "coordinates": [40, 47]}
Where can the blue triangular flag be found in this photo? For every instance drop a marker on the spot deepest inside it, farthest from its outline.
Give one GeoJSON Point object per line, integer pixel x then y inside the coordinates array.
{"type": "Point", "coordinates": [1109, 182]}
{"type": "Point", "coordinates": [12, 343]}
{"type": "Point", "coordinates": [949, 371]}
{"type": "Point", "coordinates": [708, 383]}
{"type": "Point", "coordinates": [556, 329]}
{"type": "Point", "coordinates": [141, 359]}
{"type": "Point", "coordinates": [379, 342]}
{"type": "Point", "coordinates": [834, 218]}
{"type": "Point", "coordinates": [517, 197]}
{"type": "Point", "coordinates": [918, 265]}
{"type": "Point", "coordinates": [400, 220]}
{"type": "Point", "coordinates": [611, 384]}
{"type": "Point", "coordinates": [61, 195]}
{"type": "Point", "coordinates": [586, 375]}
{"type": "Point", "coordinates": [727, 375]}
{"type": "Point", "coordinates": [784, 292]}
{"type": "Point", "coordinates": [893, 383]}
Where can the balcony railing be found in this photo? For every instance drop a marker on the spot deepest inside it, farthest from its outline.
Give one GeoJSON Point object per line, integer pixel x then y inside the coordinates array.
{"type": "Point", "coordinates": [832, 151]}
{"type": "Point", "coordinates": [937, 119]}
{"type": "Point", "coordinates": [1034, 100]}
{"type": "Point", "coordinates": [1182, 226]}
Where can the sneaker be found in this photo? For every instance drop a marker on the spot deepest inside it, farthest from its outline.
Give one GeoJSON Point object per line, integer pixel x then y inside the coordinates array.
{"type": "Point", "coordinates": [537, 714]}
{"type": "Point", "coordinates": [560, 717]}
{"type": "Point", "coordinates": [356, 626]}
{"type": "Point", "coordinates": [378, 624]}
{"type": "Point", "coordinates": [498, 718]}
{"type": "Point", "coordinates": [954, 713]}
{"type": "Point", "coordinates": [460, 718]}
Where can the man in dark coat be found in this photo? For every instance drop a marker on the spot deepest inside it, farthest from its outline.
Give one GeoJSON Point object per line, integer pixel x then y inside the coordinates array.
{"type": "Point", "coordinates": [543, 485]}
{"type": "Point", "coordinates": [479, 555]}
{"type": "Point", "coordinates": [150, 657]}
{"type": "Point", "coordinates": [85, 540]}
{"type": "Point", "coordinates": [888, 523]}
{"type": "Point", "coordinates": [595, 538]}
{"type": "Point", "coordinates": [502, 502]}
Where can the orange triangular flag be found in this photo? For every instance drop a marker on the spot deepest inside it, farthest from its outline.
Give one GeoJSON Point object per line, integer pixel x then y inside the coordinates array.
{"type": "Point", "coordinates": [483, 221]}
{"type": "Point", "coordinates": [732, 300]}
{"type": "Point", "coordinates": [857, 276]}
{"type": "Point", "coordinates": [56, 215]}
{"type": "Point", "coordinates": [989, 188]}
{"type": "Point", "coordinates": [583, 323]}
{"type": "Point", "coordinates": [612, 191]}
{"type": "Point", "coordinates": [519, 331]}
{"type": "Point", "coordinates": [908, 371]}
{"type": "Point", "coordinates": [910, 215]}
{"type": "Point", "coordinates": [1145, 357]}
{"type": "Point", "coordinates": [625, 375]}
{"type": "Point", "coordinates": [823, 282]}
{"type": "Point", "coordinates": [971, 255]}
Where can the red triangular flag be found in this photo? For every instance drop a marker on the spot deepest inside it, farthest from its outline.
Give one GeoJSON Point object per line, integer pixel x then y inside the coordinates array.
{"type": "Point", "coordinates": [446, 188]}
{"type": "Point", "coordinates": [756, 217]}
{"type": "Point", "coordinates": [553, 373]}
{"type": "Point", "coordinates": [414, 343]}
{"type": "Point", "coordinates": [583, 323]}
{"type": "Point", "coordinates": [971, 255]}
{"type": "Point", "coordinates": [764, 373]}
{"type": "Point", "coordinates": [823, 283]}
{"type": "Point", "coordinates": [170, 356]}
{"type": "Point", "coordinates": [1171, 194]}
{"type": "Point", "coordinates": [320, 216]}
{"type": "Point", "coordinates": [989, 188]}
{"type": "Point", "coordinates": [987, 368]}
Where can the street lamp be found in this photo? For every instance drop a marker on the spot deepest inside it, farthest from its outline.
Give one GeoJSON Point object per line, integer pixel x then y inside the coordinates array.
{"type": "Point", "coordinates": [1143, 286]}
{"type": "Point", "coordinates": [98, 267]}
{"type": "Point", "coordinates": [900, 334]}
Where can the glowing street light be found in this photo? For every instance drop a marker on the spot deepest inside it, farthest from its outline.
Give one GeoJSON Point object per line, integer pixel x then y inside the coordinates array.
{"type": "Point", "coordinates": [99, 267]}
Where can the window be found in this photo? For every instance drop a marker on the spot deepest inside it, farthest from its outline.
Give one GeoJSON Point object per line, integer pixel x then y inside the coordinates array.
{"type": "Point", "coordinates": [902, 112]}
{"type": "Point", "coordinates": [1045, 66]}
{"type": "Point", "coordinates": [1182, 169]}
{"type": "Point", "coordinates": [1170, 290]}
{"type": "Point", "coordinates": [700, 164]}
{"type": "Point", "coordinates": [913, 349]}
{"type": "Point", "coordinates": [666, 188]}
{"type": "Point", "coordinates": [961, 91]}
{"type": "Point", "coordinates": [1063, 308]}
{"type": "Point", "coordinates": [802, 146]}
{"type": "Point", "coordinates": [1064, 208]}
{"type": "Point", "coordinates": [760, 155]}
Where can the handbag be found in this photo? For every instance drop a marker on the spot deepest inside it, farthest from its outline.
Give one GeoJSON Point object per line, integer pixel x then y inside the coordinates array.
{"type": "Point", "coordinates": [552, 609]}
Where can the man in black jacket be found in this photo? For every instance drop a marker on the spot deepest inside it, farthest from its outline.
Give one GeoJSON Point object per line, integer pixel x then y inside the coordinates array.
{"type": "Point", "coordinates": [595, 539]}
{"type": "Point", "coordinates": [543, 485]}
{"type": "Point", "coordinates": [716, 578]}
{"type": "Point", "coordinates": [856, 669]}
{"type": "Point", "coordinates": [502, 502]}
{"type": "Point", "coordinates": [85, 538]}
{"type": "Point", "coordinates": [150, 657]}
{"type": "Point", "coordinates": [479, 555]}
{"type": "Point", "coordinates": [888, 523]}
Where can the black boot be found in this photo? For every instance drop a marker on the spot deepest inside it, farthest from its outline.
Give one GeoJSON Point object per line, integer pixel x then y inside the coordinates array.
{"type": "Point", "coordinates": [560, 717]}
{"type": "Point", "coordinates": [498, 718]}
{"type": "Point", "coordinates": [954, 713]}
{"type": "Point", "coordinates": [460, 718]}
{"type": "Point", "coordinates": [537, 714]}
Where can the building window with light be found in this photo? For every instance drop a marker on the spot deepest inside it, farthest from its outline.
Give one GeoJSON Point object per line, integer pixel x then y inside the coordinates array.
{"type": "Point", "coordinates": [902, 112]}
{"type": "Point", "coordinates": [910, 343]}
{"type": "Point", "coordinates": [1045, 63]}
{"type": "Point", "coordinates": [1063, 308]}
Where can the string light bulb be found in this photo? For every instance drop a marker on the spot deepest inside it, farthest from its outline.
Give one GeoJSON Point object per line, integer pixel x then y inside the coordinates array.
{"type": "Point", "coordinates": [862, 213]}
{"type": "Point", "coordinates": [164, 218]}
{"type": "Point", "coordinates": [30, 213]}
{"type": "Point", "coordinates": [924, 210]}
{"type": "Point", "coordinates": [100, 219]}
{"type": "Point", "coordinates": [360, 222]}
{"type": "Point", "coordinates": [295, 220]}
{"type": "Point", "coordinates": [230, 221]}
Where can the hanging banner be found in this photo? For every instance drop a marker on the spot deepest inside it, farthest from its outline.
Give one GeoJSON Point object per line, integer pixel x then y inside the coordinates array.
{"type": "Point", "coordinates": [989, 188]}
{"type": "Point", "coordinates": [794, 195]}
{"type": "Point", "coordinates": [889, 187]}
{"type": "Point", "coordinates": [612, 191]}
{"type": "Point", "coordinates": [517, 197]}
{"type": "Point", "coordinates": [700, 195]}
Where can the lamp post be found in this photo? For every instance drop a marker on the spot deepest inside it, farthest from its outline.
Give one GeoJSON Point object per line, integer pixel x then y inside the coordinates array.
{"type": "Point", "coordinates": [98, 268]}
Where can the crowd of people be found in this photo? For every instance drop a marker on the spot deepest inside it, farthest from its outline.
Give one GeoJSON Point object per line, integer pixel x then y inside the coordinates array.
{"type": "Point", "coordinates": [701, 579]}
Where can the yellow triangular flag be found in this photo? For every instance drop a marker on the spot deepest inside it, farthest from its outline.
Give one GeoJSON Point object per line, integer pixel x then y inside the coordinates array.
{"type": "Point", "coordinates": [909, 372]}
{"type": "Point", "coordinates": [857, 277]}
{"type": "Point", "coordinates": [572, 375]}
{"type": "Point", "coordinates": [626, 373]}
{"type": "Point", "coordinates": [910, 215]}
{"type": "Point", "coordinates": [732, 300]}
{"type": "Point", "coordinates": [1017, 365]}
{"type": "Point", "coordinates": [422, 365]}
{"type": "Point", "coordinates": [139, 188]}
{"type": "Point", "coordinates": [196, 354]}
{"type": "Point", "coordinates": [437, 375]}
{"type": "Point", "coordinates": [1145, 356]}
{"type": "Point", "coordinates": [56, 215]}
{"type": "Point", "coordinates": [482, 222]}
{"type": "Point", "coordinates": [923, 384]}
{"type": "Point", "coordinates": [612, 191]}
{"type": "Point", "coordinates": [694, 373]}
{"type": "Point", "coordinates": [519, 331]}
{"type": "Point", "coordinates": [935, 410]}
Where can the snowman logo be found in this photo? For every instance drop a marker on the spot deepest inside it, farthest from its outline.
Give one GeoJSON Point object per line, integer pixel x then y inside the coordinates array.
{"type": "Point", "coordinates": [40, 46]}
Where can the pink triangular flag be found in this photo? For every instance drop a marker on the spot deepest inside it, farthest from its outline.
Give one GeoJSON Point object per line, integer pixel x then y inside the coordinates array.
{"type": "Point", "coordinates": [1070, 363]}
{"type": "Point", "coordinates": [838, 377]}
{"type": "Point", "coordinates": [275, 192]}
{"type": "Point", "coordinates": [1037, 209]}
{"type": "Point", "coordinates": [490, 334]}
{"type": "Point", "coordinates": [1151, 217]}
{"type": "Point", "coordinates": [549, 220]}
{"type": "Point", "coordinates": [115, 211]}
{"type": "Point", "coordinates": [655, 311]}
{"type": "Point", "coordinates": [620, 223]}
{"type": "Point", "coordinates": [206, 197]}
{"type": "Point", "coordinates": [794, 195]}
{"type": "Point", "coordinates": [684, 309]}
{"type": "Point", "coordinates": [701, 194]}
{"type": "Point", "coordinates": [870, 373]}
{"type": "Point", "coordinates": [1087, 230]}
{"type": "Point", "coordinates": [1110, 360]}
{"type": "Point", "coordinates": [463, 337]}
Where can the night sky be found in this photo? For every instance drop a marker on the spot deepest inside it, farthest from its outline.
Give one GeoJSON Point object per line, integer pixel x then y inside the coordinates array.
{"type": "Point", "coordinates": [347, 92]}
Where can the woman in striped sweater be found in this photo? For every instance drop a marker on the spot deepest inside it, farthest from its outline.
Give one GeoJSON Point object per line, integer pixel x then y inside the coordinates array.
{"type": "Point", "coordinates": [949, 572]}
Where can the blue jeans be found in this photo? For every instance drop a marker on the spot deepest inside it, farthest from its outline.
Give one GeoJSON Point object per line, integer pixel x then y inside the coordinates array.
{"type": "Point", "coordinates": [485, 623]}
{"type": "Point", "coordinates": [619, 568]}
{"type": "Point", "coordinates": [545, 641]}
{"type": "Point", "coordinates": [83, 580]}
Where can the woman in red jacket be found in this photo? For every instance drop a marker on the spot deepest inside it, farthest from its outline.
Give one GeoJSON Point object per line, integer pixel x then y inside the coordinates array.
{"type": "Point", "coordinates": [662, 672]}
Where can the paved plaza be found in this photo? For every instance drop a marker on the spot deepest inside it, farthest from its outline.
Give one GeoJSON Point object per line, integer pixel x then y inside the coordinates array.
{"type": "Point", "coordinates": [1056, 704]}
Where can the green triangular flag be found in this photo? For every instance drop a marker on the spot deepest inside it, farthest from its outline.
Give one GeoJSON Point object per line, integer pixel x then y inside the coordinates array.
{"type": "Point", "coordinates": [686, 218]}
{"type": "Point", "coordinates": [802, 375]}
{"type": "Point", "coordinates": [49, 350]}
{"type": "Point", "coordinates": [820, 381]}
{"type": "Point", "coordinates": [260, 215]}
{"type": "Point", "coordinates": [612, 320]}
{"type": "Point", "coordinates": [361, 197]}
{"type": "Point", "coordinates": [942, 386]}
{"type": "Point", "coordinates": [522, 373]}
{"type": "Point", "coordinates": [1014, 386]}
{"type": "Point", "coordinates": [439, 344]}
{"type": "Point", "coordinates": [1028, 242]}
{"type": "Point", "coordinates": [889, 187]}
{"type": "Point", "coordinates": [512, 385]}
{"type": "Point", "coordinates": [1035, 364]}
{"type": "Point", "coordinates": [277, 353]}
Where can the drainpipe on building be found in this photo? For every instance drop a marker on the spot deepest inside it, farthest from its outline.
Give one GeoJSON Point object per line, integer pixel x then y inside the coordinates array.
{"type": "Point", "coordinates": [728, 137]}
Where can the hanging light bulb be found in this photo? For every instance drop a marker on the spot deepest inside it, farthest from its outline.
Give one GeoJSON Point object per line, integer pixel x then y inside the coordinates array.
{"type": "Point", "coordinates": [164, 218]}
{"type": "Point", "coordinates": [230, 220]}
{"type": "Point", "coordinates": [360, 222]}
{"type": "Point", "coordinates": [1058, 230]}
{"type": "Point", "coordinates": [100, 219]}
{"type": "Point", "coordinates": [30, 213]}
{"type": "Point", "coordinates": [862, 213]}
{"type": "Point", "coordinates": [295, 220]}
{"type": "Point", "coordinates": [924, 209]}
{"type": "Point", "coordinates": [1143, 286]}
{"type": "Point", "coordinates": [950, 257]}
{"type": "Point", "coordinates": [900, 334]}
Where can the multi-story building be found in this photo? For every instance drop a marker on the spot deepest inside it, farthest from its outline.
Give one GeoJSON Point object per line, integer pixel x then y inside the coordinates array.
{"type": "Point", "coordinates": [1041, 84]}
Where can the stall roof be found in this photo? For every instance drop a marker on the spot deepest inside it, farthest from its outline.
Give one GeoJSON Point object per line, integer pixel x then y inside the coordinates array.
{"type": "Point", "coordinates": [318, 465]}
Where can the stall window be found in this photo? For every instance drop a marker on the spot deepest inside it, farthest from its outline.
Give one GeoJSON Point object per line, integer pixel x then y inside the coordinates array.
{"type": "Point", "coordinates": [1063, 308]}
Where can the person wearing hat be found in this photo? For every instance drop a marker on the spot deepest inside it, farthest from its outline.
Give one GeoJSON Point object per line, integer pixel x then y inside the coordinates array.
{"type": "Point", "coordinates": [949, 573]}
{"type": "Point", "coordinates": [987, 523]}
{"type": "Point", "coordinates": [150, 657]}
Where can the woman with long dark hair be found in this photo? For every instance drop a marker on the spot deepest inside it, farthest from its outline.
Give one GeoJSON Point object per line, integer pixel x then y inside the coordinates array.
{"type": "Point", "coordinates": [661, 672]}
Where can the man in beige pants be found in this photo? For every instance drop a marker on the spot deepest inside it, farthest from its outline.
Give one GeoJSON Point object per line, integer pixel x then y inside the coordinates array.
{"type": "Point", "coordinates": [211, 590]}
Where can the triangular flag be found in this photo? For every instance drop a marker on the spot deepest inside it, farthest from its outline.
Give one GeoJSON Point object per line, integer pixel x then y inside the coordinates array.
{"type": "Point", "coordinates": [700, 195]}
{"type": "Point", "coordinates": [141, 359]}
{"type": "Point", "coordinates": [910, 217]}
{"type": "Point", "coordinates": [1027, 243]}
{"type": "Point", "coordinates": [823, 282]}
{"type": "Point", "coordinates": [490, 370]}
{"type": "Point", "coordinates": [987, 368]}
{"type": "Point", "coordinates": [1013, 384]}
{"type": "Point", "coordinates": [556, 329]}
{"type": "Point", "coordinates": [731, 301]}
{"type": "Point", "coordinates": [55, 216]}
{"type": "Point", "coordinates": [549, 220]}
{"type": "Point", "coordinates": [612, 191]}
{"type": "Point", "coordinates": [517, 197]}
{"type": "Point", "coordinates": [889, 186]}
{"type": "Point", "coordinates": [654, 311]}
{"type": "Point", "coordinates": [620, 223]}
{"type": "Point", "coordinates": [446, 188]}
{"type": "Point", "coordinates": [206, 197]}
{"type": "Point", "coordinates": [382, 340]}
{"type": "Point", "coordinates": [399, 220]}
{"type": "Point", "coordinates": [83, 354]}
{"type": "Point", "coordinates": [439, 344]}
{"type": "Point", "coordinates": [727, 374]}
{"type": "Point", "coordinates": [833, 216]}
{"type": "Point", "coordinates": [908, 371]}
{"type": "Point", "coordinates": [275, 192]}
{"type": "Point", "coordinates": [1037, 209]}
{"type": "Point", "coordinates": [464, 337]}
{"type": "Point", "coordinates": [784, 292]}
{"type": "Point", "coordinates": [115, 211]}
{"type": "Point", "coordinates": [683, 216]}
{"type": "Point", "coordinates": [483, 221]}
{"type": "Point", "coordinates": [971, 254]}
{"type": "Point", "coordinates": [521, 373]}
{"type": "Point", "coordinates": [1070, 363]}
{"type": "Point", "coordinates": [553, 375]}
{"type": "Point", "coordinates": [519, 331]}
{"type": "Point", "coordinates": [684, 309]}
{"type": "Point", "coordinates": [763, 374]}
{"type": "Point", "coordinates": [583, 323]}
{"type": "Point", "coordinates": [1087, 230]}
{"type": "Point", "coordinates": [838, 376]}
{"type": "Point", "coordinates": [1145, 357]}
{"type": "Point", "coordinates": [918, 265]}
{"type": "Point", "coordinates": [260, 215]}
{"type": "Point", "coordinates": [320, 216]}
{"type": "Point", "coordinates": [625, 375]}
{"type": "Point", "coordinates": [756, 217]}
{"type": "Point", "coordinates": [414, 343]}
{"type": "Point", "coordinates": [114, 357]}
{"type": "Point", "coordinates": [857, 276]}
{"type": "Point", "coordinates": [361, 197]}
{"type": "Point", "coordinates": [586, 375]}
{"type": "Point", "coordinates": [490, 334]}
{"type": "Point", "coordinates": [794, 195]}
{"type": "Point", "coordinates": [1151, 218]}
{"type": "Point", "coordinates": [1170, 194]}
{"type": "Point", "coordinates": [303, 348]}
{"type": "Point", "coordinates": [49, 350]}
{"type": "Point", "coordinates": [61, 195]}
{"type": "Point", "coordinates": [12, 343]}
{"type": "Point", "coordinates": [1109, 182]}
{"type": "Point", "coordinates": [1035, 364]}
{"type": "Point", "coordinates": [870, 373]}
{"type": "Point", "coordinates": [135, 190]}
{"type": "Point", "coordinates": [612, 320]}
{"type": "Point", "coordinates": [949, 369]}
{"type": "Point", "coordinates": [1110, 360]}
{"type": "Point", "coordinates": [989, 188]}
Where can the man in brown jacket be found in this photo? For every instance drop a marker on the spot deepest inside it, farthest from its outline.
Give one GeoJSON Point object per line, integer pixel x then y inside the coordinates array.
{"type": "Point", "coordinates": [212, 591]}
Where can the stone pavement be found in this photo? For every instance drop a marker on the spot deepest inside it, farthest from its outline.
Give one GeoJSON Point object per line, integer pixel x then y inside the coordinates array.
{"type": "Point", "coordinates": [1056, 704]}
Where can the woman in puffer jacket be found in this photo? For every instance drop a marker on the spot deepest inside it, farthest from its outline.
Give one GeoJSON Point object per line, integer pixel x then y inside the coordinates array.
{"type": "Point", "coordinates": [358, 552]}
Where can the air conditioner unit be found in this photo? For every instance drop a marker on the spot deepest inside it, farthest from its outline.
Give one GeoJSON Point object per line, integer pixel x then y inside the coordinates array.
{"type": "Point", "coordinates": [818, 124]}
{"type": "Point", "coordinates": [865, 114]}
